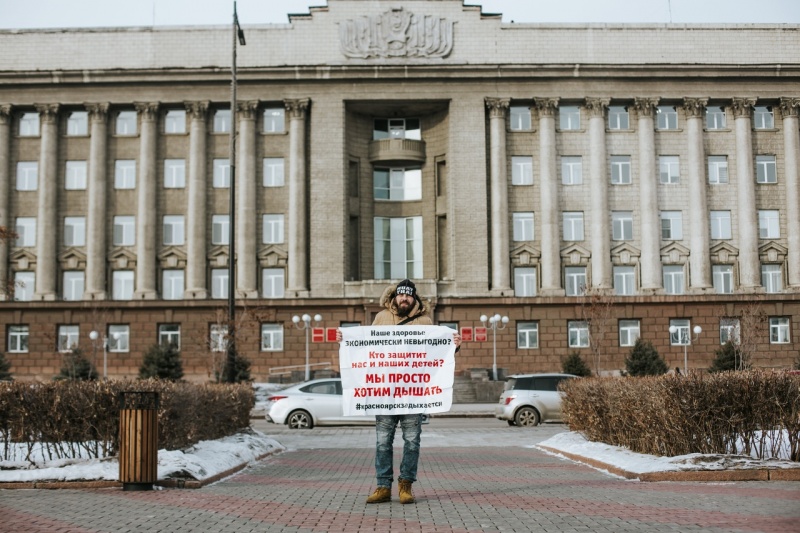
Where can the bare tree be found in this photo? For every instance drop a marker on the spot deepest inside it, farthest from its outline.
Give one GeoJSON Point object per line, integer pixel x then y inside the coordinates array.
{"type": "Point", "coordinates": [6, 284]}
{"type": "Point", "coordinates": [247, 320]}
{"type": "Point", "coordinates": [752, 330]}
{"type": "Point", "coordinates": [597, 308]}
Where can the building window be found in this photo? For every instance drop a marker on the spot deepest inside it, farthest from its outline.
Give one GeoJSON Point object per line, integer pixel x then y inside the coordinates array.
{"type": "Point", "coordinates": [272, 283]}
{"type": "Point", "coordinates": [722, 277]}
{"type": "Point", "coordinates": [763, 118]}
{"type": "Point", "coordinates": [779, 330]}
{"type": "Point", "coordinates": [24, 285]}
{"type": "Point", "coordinates": [78, 123]}
{"type": "Point", "coordinates": [569, 117]}
{"type": "Point", "coordinates": [126, 123]}
{"type": "Point", "coordinates": [521, 170]}
{"type": "Point", "coordinates": [73, 285]}
{"type": "Point", "coordinates": [119, 338]}
{"type": "Point", "coordinates": [622, 225]}
{"type": "Point", "coordinates": [629, 332]}
{"type": "Point", "coordinates": [397, 184]}
{"type": "Point", "coordinates": [271, 337]}
{"type": "Point", "coordinates": [527, 335]}
{"type": "Point", "coordinates": [219, 283]}
{"type": "Point", "coordinates": [218, 338]}
{"type": "Point", "coordinates": [122, 285]}
{"type": "Point", "coordinates": [172, 284]}
{"type": "Point", "coordinates": [26, 232]}
{"type": "Point", "coordinates": [272, 229]}
{"type": "Point", "coordinates": [68, 338]}
{"type": "Point", "coordinates": [174, 230]}
{"type": "Point", "coordinates": [125, 174]}
{"type": "Point", "coordinates": [620, 170]}
{"type": "Point", "coordinates": [571, 170]}
{"type": "Point", "coordinates": [669, 169]}
{"type": "Point", "coordinates": [681, 335]}
{"type": "Point", "coordinates": [396, 128]}
{"type": "Point", "coordinates": [523, 226]}
{"type": "Point", "coordinates": [765, 169]}
{"type": "Point", "coordinates": [671, 225]}
{"type": "Point", "coordinates": [18, 337]}
{"type": "Point", "coordinates": [274, 118]}
{"type": "Point", "coordinates": [220, 229]}
{"type": "Point", "coordinates": [175, 121]}
{"type": "Point", "coordinates": [717, 169]}
{"type": "Point", "coordinates": [729, 330]}
{"type": "Point", "coordinates": [578, 333]}
{"type": "Point", "coordinates": [673, 279]}
{"type": "Point", "coordinates": [27, 175]}
{"type": "Point", "coordinates": [222, 173]}
{"type": "Point", "coordinates": [715, 118]}
{"type": "Point", "coordinates": [174, 173]}
{"type": "Point", "coordinates": [273, 172]}
{"type": "Point", "coordinates": [768, 224]}
{"type": "Point", "coordinates": [29, 125]}
{"type": "Point", "coordinates": [573, 225]}
{"type": "Point", "coordinates": [624, 281]}
{"type": "Point", "coordinates": [520, 118]}
{"type": "Point", "coordinates": [124, 230]}
{"type": "Point", "coordinates": [222, 121]}
{"type": "Point", "coordinates": [75, 177]}
{"type": "Point", "coordinates": [618, 118]}
{"type": "Point", "coordinates": [169, 335]}
{"type": "Point", "coordinates": [575, 280]}
{"type": "Point", "coordinates": [666, 117]}
{"type": "Point", "coordinates": [772, 278]}
{"type": "Point", "coordinates": [524, 281]}
{"type": "Point", "coordinates": [451, 325]}
{"type": "Point", "coordinates": [720, 223]}
{"type": "Point", "coordinates": [74, 231]}
{"type": "Point", "coordinates": [398, 247]}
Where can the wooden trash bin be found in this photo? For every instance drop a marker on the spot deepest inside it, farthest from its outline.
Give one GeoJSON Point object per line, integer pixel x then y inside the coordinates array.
{"type": "Point", "coordinates": [138, 440]}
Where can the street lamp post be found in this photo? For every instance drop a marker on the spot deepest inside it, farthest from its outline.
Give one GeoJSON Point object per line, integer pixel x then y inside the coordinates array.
{"type": "Point", "coordinates": [494, 322]}
{"type": "Point", "coordinates": [697, 330]}
{"type": "Point", "coordinates": [94, 336]}
{"type": "Point", "coordinates": [306, 325]}
{"type": "Point", "coordinates": [238, 36]}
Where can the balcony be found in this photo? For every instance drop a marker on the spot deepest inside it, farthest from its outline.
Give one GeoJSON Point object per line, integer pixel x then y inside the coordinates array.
{"type": "Point", "coordinates": [397, 151]}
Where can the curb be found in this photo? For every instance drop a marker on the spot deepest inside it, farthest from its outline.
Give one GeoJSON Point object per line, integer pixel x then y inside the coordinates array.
{"type": "Point", "coordinates": [755, 474]}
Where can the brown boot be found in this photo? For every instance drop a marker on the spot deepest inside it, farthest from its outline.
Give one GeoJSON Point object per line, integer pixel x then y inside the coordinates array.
{"type": "Point", "coordinates": [406, 496]}
{"type": "Point", "coordinates": [381, 494]}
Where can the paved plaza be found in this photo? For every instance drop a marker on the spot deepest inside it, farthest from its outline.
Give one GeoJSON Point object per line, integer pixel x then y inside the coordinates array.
{"type": "Point", "coordinates": [472, 478]}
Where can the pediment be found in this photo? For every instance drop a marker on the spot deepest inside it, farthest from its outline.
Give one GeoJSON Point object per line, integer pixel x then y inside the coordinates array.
{"type": "Point", "coordinates": [22, 259]}
{"type": "Point", "coordinates": [172, 257]}
{"type": "Point", "coordinates": [525, 254]}
{"type": "Point", "coordinates": [575, 254]}
{"type": "Point", "coordinates": [723, 253]}
{"type": "Point", "coordinates": [218, 255]}
{"type": "Point", "coordinates": [674, 253]}
{"type": "Point", "coordinates": [72, 258]}
{"type": "Point", "coordinates": [121, 258]}
{"type": "Point", "coordinates": [625, 254]}
{"type": "Point", "coordinates": [772, 252]}
{"type": "Point", "coordinates": [272, 255]}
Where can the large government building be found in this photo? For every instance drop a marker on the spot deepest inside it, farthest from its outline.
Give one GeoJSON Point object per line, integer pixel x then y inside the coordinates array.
{"type": "Point", "coordinates": [594, 183]}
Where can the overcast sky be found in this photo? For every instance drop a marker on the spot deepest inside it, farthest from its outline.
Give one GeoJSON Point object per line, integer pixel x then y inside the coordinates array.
{"type": "Point", "coordinates": [85, 13]}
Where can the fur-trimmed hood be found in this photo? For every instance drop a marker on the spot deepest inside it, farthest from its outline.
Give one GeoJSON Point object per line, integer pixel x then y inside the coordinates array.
{"type": "Point", "coordinates": [389, 317]}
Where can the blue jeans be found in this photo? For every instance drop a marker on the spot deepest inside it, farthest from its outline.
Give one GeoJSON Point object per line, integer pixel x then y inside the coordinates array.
{"type": "Point", "coordinates": [385, 426]}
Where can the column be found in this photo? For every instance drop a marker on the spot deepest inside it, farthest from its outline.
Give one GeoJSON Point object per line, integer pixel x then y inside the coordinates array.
{"type": "Point", "coordinates": [700, 235]}
{"type": "Point", "coordinates": [550, 261]}
{"type": "Point", "coordinates": [147, 220]}
{"type": "Point", "coordinates": [196, 222]}
{"type": "Point", "coordinates": [599, 216]}
{"type": "Point", "coordinates": [96, 217]}
{"type": "Point", "coordinates": [47, 217]}
{"type": "Point", "coordinates": [246, 207]}
{"type": "Point", "coordinates": [749, 266]}
{"type": "Point", "coordinates": [650, 261]}
{"type": "Point", "coordinates": [498, 194]}
{"type": "Point", "coordinates": [297, 282]}
{"type": "Point", "coordinates": [791, 142]}
{"type": "Point", "coordinates": [5, 194]}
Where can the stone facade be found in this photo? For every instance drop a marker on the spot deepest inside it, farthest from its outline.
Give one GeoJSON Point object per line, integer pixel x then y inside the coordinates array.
{"type": "Point", "coordinates": [654, 167]}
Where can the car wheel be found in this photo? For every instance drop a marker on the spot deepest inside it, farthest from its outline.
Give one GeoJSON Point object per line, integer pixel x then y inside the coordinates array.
{"type": "Point", "coordinates": [527, 417]}
{"type": "Point", "coordinates": [511, 423]}
{"type": "Point", "coordinates": [300, 420]}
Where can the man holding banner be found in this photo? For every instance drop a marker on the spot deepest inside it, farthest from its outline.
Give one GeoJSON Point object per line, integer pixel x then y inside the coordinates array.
{"type": "Point", "coordinates": [398, 374]}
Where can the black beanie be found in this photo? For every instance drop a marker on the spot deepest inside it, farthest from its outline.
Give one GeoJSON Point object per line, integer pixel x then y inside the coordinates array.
{"type": "Point", "coordinates": [406, 287]}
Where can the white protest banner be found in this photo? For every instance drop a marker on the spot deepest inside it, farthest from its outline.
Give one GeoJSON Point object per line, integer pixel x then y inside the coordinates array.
{"type": "Point", "coordinates": [397, 370]}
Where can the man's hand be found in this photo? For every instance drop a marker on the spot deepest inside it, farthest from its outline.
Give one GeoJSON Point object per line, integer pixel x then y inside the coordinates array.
{"type": "Point", "coordinates": [457, 340]}
{"type": "Point", "coordinates": [338, 335]}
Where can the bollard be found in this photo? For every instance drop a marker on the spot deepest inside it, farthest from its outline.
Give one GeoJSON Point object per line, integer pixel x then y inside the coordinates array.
{"type": "Point", "coordinates": [138, 440]}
